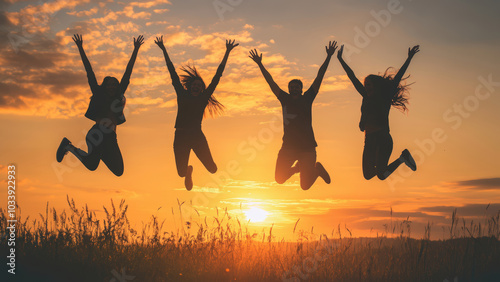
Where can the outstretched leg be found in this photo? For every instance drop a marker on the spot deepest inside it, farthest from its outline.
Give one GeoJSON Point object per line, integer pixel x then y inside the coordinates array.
{"type": "Point", "coordinates": [407, 158]}
{"type": "Point", "coordinates": [182, 150]}
{"type": "Point", "coordinates": [90, 159]}
{"type": "Point", "coordinates": [320, 169]}
{"type": "Point", "coordinates": [308, 170]}
{"type": "Point", "coordinates": [383, 152]}
{"type": "Point", "coordinates": [284, 169]}
{"type": "Point", "coordinates": [63, 149]}
{"type": "Point", "coordinates": [202, 151]}
{"type": "Point", "coordinates": [111, 154]}
{"type": "Point", "coordinates": [370, 156]}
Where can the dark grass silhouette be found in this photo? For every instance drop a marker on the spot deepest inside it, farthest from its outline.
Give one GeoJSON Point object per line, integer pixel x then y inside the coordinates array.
{"type": "Point", "coordinates": [76, 245]}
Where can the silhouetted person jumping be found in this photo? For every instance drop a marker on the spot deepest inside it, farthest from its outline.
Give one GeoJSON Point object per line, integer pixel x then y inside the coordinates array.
{"type": "Point", "coordinates": [299, 143]}
{"type": "Point", "coordinates": [106, 109]}
{"type": "Point", "coordinates": [379, 94]}
{"type": "Point", "coordinates": [193, 99]}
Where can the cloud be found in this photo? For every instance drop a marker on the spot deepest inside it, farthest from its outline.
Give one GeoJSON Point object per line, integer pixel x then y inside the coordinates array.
{"type": "Point", "coordinates": [149, 4]}
{"type": "Point", "coordinates": [198, 189]}
{"type": "Point", "coordinates": [483, 184]}
{"type": "Point", "coordinates": [467, 210]}
{"type": "Point", "coordinates": [5, 29]}
{"type": "Point", "coordinates": [60, 79]}
{"type": "Point", "coordinates": [335, 83]}
{"type": "Point", "coordinates": [129, 12]}
{"type": "Point", "coordinates": [248, 184]}
{"type": "Point", "coordinates": [10, 95]}
{"type": "Point", "coordinates": [149, 23]}
{"type": "Point", "coordinates": [50, 62]}
{"type": "Point", "coordinates": [86, 13]}
{"type": "Point", "coordinates": [36, 18]}
{"type": "Point", "coordinates": [110, 16]}
{"type": "Point", "coordinates": [177, 38]}
{"type": "Point", "coordinates": [29, 60]}
{"type": "Point", "coordinates": [160, 11]}
{"type": "Point", "coordinates": [146, 101]}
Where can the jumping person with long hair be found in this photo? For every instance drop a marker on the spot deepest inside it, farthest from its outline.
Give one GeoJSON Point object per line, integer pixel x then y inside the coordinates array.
{"type": "Point", "coordinates": [379, 94]}
{"type": "Point", "coordinates": [299, 144]}
{"type": "Point", "coordinates": [193, 101]}
{"type": "Point", "coordinates": [106, 109]}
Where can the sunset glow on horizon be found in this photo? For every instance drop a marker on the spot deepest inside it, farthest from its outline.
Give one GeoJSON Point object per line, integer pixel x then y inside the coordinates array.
{"type": "Point", "coordinates": [256, 214]}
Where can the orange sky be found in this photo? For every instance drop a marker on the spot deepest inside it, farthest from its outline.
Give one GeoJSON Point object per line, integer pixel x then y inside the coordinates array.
{"type": "Point", "coordinates": [451, 128]}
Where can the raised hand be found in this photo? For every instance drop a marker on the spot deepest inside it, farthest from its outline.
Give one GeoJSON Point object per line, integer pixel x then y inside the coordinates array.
{"type": "Point", "coordinates": [230, 45]}
{"type": "Point", "coordinates": [159, 42]}
{"type": "Point", "coordinates": [413, 51]}
{"type": "Point", "coordinates": [78, 40]}
{"type": "Point", "coordinates": [399, 76]}
{"type": "Point", "coordinates": [139, 41]}
{"type": "Point", "coordinates": [254, 55]}
{"type": "Point", "coordinates": [330, 49]}
{"type": "Point", "coordinates": [340, 52]}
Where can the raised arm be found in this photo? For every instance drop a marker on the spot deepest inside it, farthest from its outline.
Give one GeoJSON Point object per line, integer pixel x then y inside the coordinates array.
{"type": "Point", "coordinates": [176, 82]}
{"type": "Point", "coordinates": [355, 81]}
{"type": "Point", "coordinates": [86, 63]}
{"type": "Point", "coordinates": [330, 50]}
{"type": "Point", "coordinates": [254, 55]}
{"type": "Point", "coordinates": [402, 70]}
{"type": "Point", "coordinates": [215, 80]}
{"type": "Point", "coordinates": [128, 71]}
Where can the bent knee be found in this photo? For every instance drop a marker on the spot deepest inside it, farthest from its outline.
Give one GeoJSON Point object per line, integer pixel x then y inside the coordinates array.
{"type": "Point", "coordinates": [182, 172]}
{"type": "Point", "coordinates": [305, 186]}
{"type": "Point", "coordinates": [92, 166]}
{"type": "Point", "coordinates": [118, 171]}
{"type": "Point", "coordinates": [382, 176]}
{"type": "Point", "coordinates": [279, 179]}
{"type": "Point", "coordinates": [212, 168]}
{"type": "Point", "coordinates": [368, 176]}
{"type": "Point", "coordinates": [369, 171]}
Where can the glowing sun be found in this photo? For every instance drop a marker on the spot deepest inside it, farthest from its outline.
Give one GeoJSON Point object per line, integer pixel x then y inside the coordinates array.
{"type": "Point", "coordinates": [255, 214]}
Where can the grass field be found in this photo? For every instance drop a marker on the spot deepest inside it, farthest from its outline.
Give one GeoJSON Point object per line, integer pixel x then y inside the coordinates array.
{"type": "Point", "coordinates": [75, 245]}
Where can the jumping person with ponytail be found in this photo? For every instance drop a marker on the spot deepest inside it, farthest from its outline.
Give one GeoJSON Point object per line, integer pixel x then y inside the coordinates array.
{"type": "Point", "coordinates": [379, 94]}
{"type": "Point", "coordinates": [193, 102]}
{"type": "Point", "coordinates": [106, 109]}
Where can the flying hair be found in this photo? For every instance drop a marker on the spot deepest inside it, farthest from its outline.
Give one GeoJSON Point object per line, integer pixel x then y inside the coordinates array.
{"type": "Point", "coordinates": [385, 84]}
{"type": "Point", "coordinates": [214, 107]}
